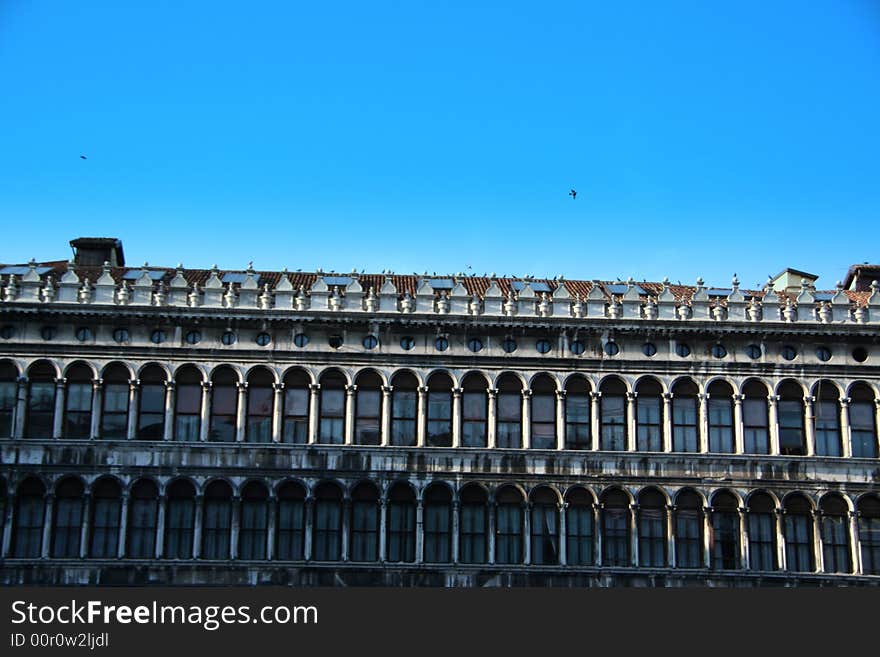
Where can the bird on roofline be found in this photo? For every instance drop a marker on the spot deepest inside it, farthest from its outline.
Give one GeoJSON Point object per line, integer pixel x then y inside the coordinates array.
{"type": "Point", "coordinates": [573, 193]}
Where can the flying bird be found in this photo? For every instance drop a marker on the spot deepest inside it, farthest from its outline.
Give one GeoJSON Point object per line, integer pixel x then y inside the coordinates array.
{"type": "Point", "coordinates": [573, 193]}
{"type": "Point", "coordinates": [83, 157]}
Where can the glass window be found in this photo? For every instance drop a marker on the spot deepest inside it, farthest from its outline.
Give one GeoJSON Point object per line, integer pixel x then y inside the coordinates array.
{"type": "Point", "coordinates": [579, 533]}
{"type": "Point", "coordinates": [509, 345]}
{"type": "Point", "coordinates": [151, 411]}
{"type": "Point", "coordinates": [543, 346]}
{"type": "Point", "coordinates": [724, 541]}
{"type": "Point", "coordinates": [332, 410]}
{"type": "Point", "coordinates": [688, 537]}
{"type": "Point", "coordinates": [439, 418]}
{"type": "Point", "coordinates": [864, 433]}
{"type": "Point", "coordinates": [649, 423]}
{"type": "Point", "coordinates": [260, 409]}
{"type": "Point", "coordinates": [143, 510]}
{"type": "Point", "coordinates": [798, 527]}
{"type": "Point", "coordinates": [290, 523]}
{"type": "Point", "coordinates": [543, 420]}
{"type": "Point", "coordinates": [364, 525]}
{"type": "Point", "coordinates": [509, 430]}
{"type": "Point", "coordinates": [720, 424]}
{"type": "Point", "coordinates": [403, 416]}
{"type": "Point", "coordinates": [613, 422]}
{"type": "Point", "coordinates": [615, 534]}
{"type": "Point", "coordinates": [407, 343]}
{"type": "Point", "coordinates": [106, 508]}
{"type": "Point", "coordinates": [327, 530]}
{"type": "Point", "coordinates": [577, 347]}
{"type": "Point", "coordinates": [40, 405]}
{"type": "Point", "coordinates": [188, 408]}
{"type": "Point", "coordinates": [216, 523]}
{"type": "Point", "coordinates": [473, 418]}
{"type": "Point", "coordinates": [438, 525]}
{"type": "Point", "coordinates": [762, 533]}
{"type": "Point", "coordinates": [78, 404]}
{"type": "Point", "coordinates": [179, 519]}
{"type": "Point", "coordinates": [834, 526]}
{"type": "Point", "coordinates": [8, 395]}
{"type": "Point", "coordinates": [68, 520]}
{"type": "Point", "coordinates": [652, 536]}
{"type": "Point", "coordinates": [545, 533]}
{"type": "Point", "coordinates": [827, 418]}
{"type": "Point", "coordinates": [684, 423]}
{"type": "Point", "coordinates": [295, 421]}
{"type": "Point", "coordinates": [300, 340]}
{"type": "Point", "coordinates": [224, 410]}
{"type": "Point", "coordinates": [869, 534]}
{"type": "Point", "coordinates": [756, 436]}
{"type": "Point", "coordinates": [254, 523]}
{"type": "Point", "coordinates": [577, 419]}
{"type": "Point", "coordinates": [611, 349]}
{"type": "Point", "coordinates": [30, 507]}
{"type": "Point", "coordinates": [114, 416]}
{"type": "Point", "coordinates": [473, 530]}
{"type": "Point", "coordinates": [791, 427]}
{"type": "Point", "coordinates": [401, 527]}
{"type": "Point", "coordinates": [649, 349]}
{"type": "Point", "coordinates": [508, 533]}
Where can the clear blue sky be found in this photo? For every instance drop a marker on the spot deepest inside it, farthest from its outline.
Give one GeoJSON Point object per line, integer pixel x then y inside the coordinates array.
{"type": "Point", "coordinates": [703, 138]}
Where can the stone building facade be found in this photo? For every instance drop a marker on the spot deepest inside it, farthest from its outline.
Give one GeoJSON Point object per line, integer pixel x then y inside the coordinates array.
{"type": "Point", "coordinates": [165, 426]}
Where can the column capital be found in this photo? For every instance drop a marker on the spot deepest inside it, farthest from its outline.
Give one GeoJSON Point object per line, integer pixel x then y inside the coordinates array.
{"type": "Point", "coordinates": [527, 393]}
{"type": "Point", "coordinates": [23, 380]}
{"type": "Point", "coordinates": [207, 385]}
{"type": "Point", "coordinates": [632, 395]}
{"type": "Point", "coordinates": [738, 398]}
{"type": "Point", "coordinates": [809, 399]}
{"type": "Point", "coordinates": [845, 401]}
{"type": "Point", "coordinates": [314, 387]}
{"type": "Point", "coordinates": [134, 383]}
{"type": "Point", "coordinates": [703, 396]}
{"type": "Point", "coordinates": [278, 387]}
{"type": "Point", "coordinates": [351, 388]}
{"type": "Point", "coordinates": [560, 395]}
{"type": "Point", "coordinates": [97, 383]}
{"type": "Point", "coordinates": [595, 394]}
{"type": "Point", "coordinates": [667, 396]}
{"type": "Point", "coordinates": [492, 392]}
{"type": "Point", "coordinates": [387, 389]}
{"type": "Point", "coordinates": [423, 390]}
{"type": "Point", "coordinates": [169, 385]}
{"type": "Point", "coordinates": [60, 382]}
{"type": "Point", "coordinates": [456, 392]}
{"type": "Point", "coordinates": [772, 399]}
{"type": "Point", "coordinates": [241, 385]}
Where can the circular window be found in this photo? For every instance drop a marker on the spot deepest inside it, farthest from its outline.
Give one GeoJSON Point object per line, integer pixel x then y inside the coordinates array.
{"type": "Point", "coordinates": [753, 351]}
{"type": "Point", "coordinates": [300, 340]}
{"type": "Point", "coordinates": [48, 332]}
{"type": "Point", "coordinates": [611, 348]}
{"type": "Point", "coordinates": [509, 345]}
{"type": "Point", "coordinates": [335, 341]}
{"type": "Point", "coordinates": [441, 344]}
{"type": "Point", "coordinates": [649, 349]}
{"type": "Point", "coordinates": [860, 354]}
{"type": "Point", "coordinates": [228, 338]}
{"type": "Point", "coordinates": [719, 350]}
{"type": "Point", "coordinates": [121, 335]}
{"type": "Point", "coordinates": [789, 352]}
{"type": "Point", "coordinates": [158, 336]}
{"type": "Point", "coordinates": [577, 347]}
{"type": "Point", "coordinates": [475, 345]}
{"type": "Point", "coordinates": [7, 332]}
{"type": "Point", "coordinates": [263, 339]}
{"type": "Point", "coordinates": [682, 349]}
{"type": "Point", "coordinates": [83, 333]}
{"type": "Point", "coordinates": [370, 342]}
{"type": "Point", "coordinates": [406, 342]}
{"type": "Point", "coordinates": [193, 337]}
{"type": "Point", "coordinates": [543, 346]}
{"type": "Point", "coordinates": [823, 354]}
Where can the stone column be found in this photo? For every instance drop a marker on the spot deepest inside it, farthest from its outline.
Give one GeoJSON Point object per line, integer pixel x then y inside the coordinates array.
{"type": "Point", "coordinates": [123, 525]}
{"type": "Point", "coordinates": [594, 419]}
{"type": "Point", "coordinates": [241, 411]}
{"type": "Point", "coordinates": [456, 508]}
{"type": "Point", "coordinates": [85, 527]}
{"type": "Point", "coordinates": [855, 543]}
{"type": "Point", "coordinates": [206, 411]}
{"type": "Point", "coordinates": [492, 418]}
{"type": "Point", "coordinates": [272, 503]}
{"type": "Point", "coordinates": [527, 532]}
{"type": "Point", "coordinates": [563, 534]}
{"type": "Point", "coordinates": [744, 537]}
{"type": "Point", "coordinates": [133, 393]}
{"type": "Point", "coordinates": [780, 539]}
{"type": "Point", "coordinates": [773, 423]}
{"type": "Point", "coordinates": [170, 398]}
{"type": "Point", "coordinates": [845, 432]}
{"type": "Point", "coordinates": [97, 390]}
{"type": "Point", "coordinates": [277, 411]}
{"type": "Point", "coordinates": [876, 419]}
{"type": "Point", "coordinates": [634, 534]}
{"type": "Point", "coordinates": [809, 425]}
{"type": "Point", "coordinates": [420, 532]}
{"type": "Point", "coordinates": [350, 391]}
{"type": "Point", "coordinates": [21, 407]}
{"type": "Point", "coordinates": [9, 520]}
{"type": "Point", "coordinates": [48, 516]}
{"type": "Point", "coordinates": [703, 429]}
{"type": "Point", "coordinates": [630, 437]}
{"type": "Point", "coordinates": [670, 534]}
{"type": "Point", "coordinates": [818, 551]}
{"type": "Point", "coordinates": [456, 417]}
{"type": "Point", "coordinates": [383, 528]}
{"type": "Point", "coordinates": [597, 532]}
{"type": "Point", "coordinates": [160, 527]}
{"type": "Point", "coordinates": [738, 434]}
{"type": "Point", "coordinates": [387, 401]}
{"type": "Point", "coordinates": [526, 418]}
{"type": "Point", "coordinates": [235, 527]}
{"type": "Point", "coordinates": [422, 415]}
{"type": "Point", "coordinates": [60, 401]}
{"type": "Point", "coordinates": [707, 528]}
{"type": "Point", "coordinates": [346, 528]}
{"type": "Point", "coordinates": [310, 518]}
{"type": "Point", "coordinates": [560, 419]}
{"type": "Point", "coordinates": [314, 388]}
{"type": "Point", "coordinates": [667, 421]}
{"type": "Point", "coordinates": [197, 527]}
{"type": "Point", "coordinates": [491, 513]}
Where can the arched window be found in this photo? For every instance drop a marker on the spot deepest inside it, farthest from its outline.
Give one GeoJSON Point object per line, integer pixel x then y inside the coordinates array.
{"type": "Point", "coordinates": [615, 528]}
{"type": "Point", "coordinates": [685, 423]}
{"type": "Point", "coordinates": [543, 428]}
{"type": "Point", "coordinates": [756, 433]}
{"type": "Point", "coordinates": [649, 416]}
{"type": "Point", "coordinates": [224, 405]}
{"type": "Point", "coordinates": [720, 410]}
{"type": "Point", "coordinates": [579, 528]}
{"type": "Point", "coordinates": [401, 537]}
{"type": "Point", "coordinates": [254, 522]}
{"type": "Point", "coordinates": [151, 403]}
{"type": "Point", "coordinates": [188, 405]}
{"type": "Point", "coordinates": [106, 501]}
{"type": "Point", "coordinates": [544, 527]}
{"type": "Point", "coordinates": [260, 406]}
{"type": "Point", "coordinates": [509, 428]}
{"type": "Point", "coordinates": [327, 524]}
{"type": "Point", "coordinates": [834, 525]}
{"type": "Point", "coordinates": [612, 415]}
{"type": "Point", "coordinates": [8, 397]}
{"type": "Point", "coordinates": [368, 409]}
{"type": "Point", "coordinates": [862, 422]}
{"type": "Point", "coordinates": [577, 414]}
{"type": "Point", "coordinates": [724, 540]}
{"type": "Point", "coordinates": [364, 531]}
{"type": "Point", "coordinates": [216, 521]}
{"type": "Point", "coordinates": [438, 524]}
{"type": "Point", "coordinates": [30, 509]}
{"type": "Point", "coordinates": [40, 400]}
{"type": "Point", "coordinates": [4, 501]}
{"type": "Point", "coordinates": [652, 528]}
{"type": "Point", "coordinates": [114, 403]}
{"type": "Point", "coordinates": [474, 411]}
{"type": "Point", "coordinates": [290, 523]}
{"type": "Point", "coordinates": [762, 532]}
{"type": "Point", "coordinates": [792, 441]}
{"type": "Point", "coordinates": [295, 428]}
{"type": "Point", "coordinates": [179, 518]}
{"type": "Point", "coordinates": [869, 533]}
{"type": "Point", "coordinates": [68, 520]}
{"type": "Point", "coordinates": [798, 527]}
{"type": "Point", "coordinates": [143, 512]}
{"type": "Point", "coordinates": [439, 430]}
{"type": "Point", "coordinates": [509, 526]}
{"type": "Point", "coordinates": [404, 403]}
{"type": "Point", "coordinates": [688, 529]}
{"type": "Point", "coordinates": [827, 419]}
{"type": "Point", "coordinates": [78, 402]}
{"type": "Point", "coordinates": [474, 524]}
{"type": "Point", "coordinates": [331, 430]}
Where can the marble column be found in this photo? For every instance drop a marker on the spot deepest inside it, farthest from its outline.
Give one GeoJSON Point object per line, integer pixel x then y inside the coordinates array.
{"type": "Point", "coordinates": [456, 417]}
